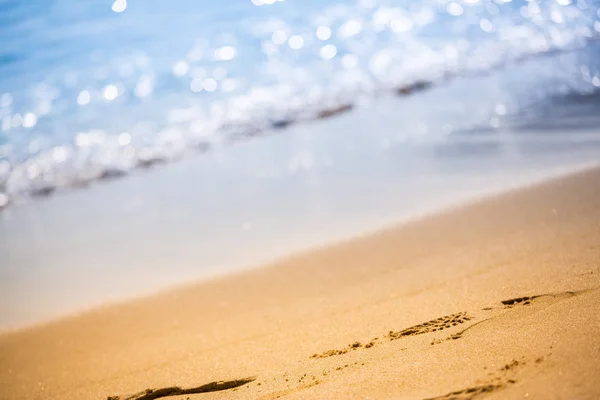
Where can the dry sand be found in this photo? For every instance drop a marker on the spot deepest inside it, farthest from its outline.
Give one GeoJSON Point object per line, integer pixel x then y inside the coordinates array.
{"type": "Point", "coordinates": [497, 299]}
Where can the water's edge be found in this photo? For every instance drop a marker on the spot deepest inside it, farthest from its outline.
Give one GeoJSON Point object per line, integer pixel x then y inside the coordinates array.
{"type": "Point", "coordinates": [396, 222]}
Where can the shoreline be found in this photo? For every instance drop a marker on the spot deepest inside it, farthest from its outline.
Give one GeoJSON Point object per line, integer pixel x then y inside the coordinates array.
{"type": "Point", "coordinates": [261, 200]}
{"type": "Point", "coordinates": [397, 222]}
{"type": "Point", "coordinates": [476, 299]}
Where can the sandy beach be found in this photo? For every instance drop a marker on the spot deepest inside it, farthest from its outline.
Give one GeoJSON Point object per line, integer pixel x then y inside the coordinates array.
{"type": "Point", "coordinates": [497, 299]}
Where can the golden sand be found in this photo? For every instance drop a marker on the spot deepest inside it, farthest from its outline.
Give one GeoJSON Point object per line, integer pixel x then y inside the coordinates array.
{"type": "Point", "coordinates": [496, 299]}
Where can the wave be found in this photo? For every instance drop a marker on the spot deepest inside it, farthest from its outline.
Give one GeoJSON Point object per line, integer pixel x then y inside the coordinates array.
{"type": "Point", "coordinates": [132, 113]}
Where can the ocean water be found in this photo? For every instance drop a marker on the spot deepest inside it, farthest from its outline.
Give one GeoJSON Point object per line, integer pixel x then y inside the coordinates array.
{"type": "Point", "coordinates": [147, 144]}
{"type": "Point", "coordinates": [94, 90]}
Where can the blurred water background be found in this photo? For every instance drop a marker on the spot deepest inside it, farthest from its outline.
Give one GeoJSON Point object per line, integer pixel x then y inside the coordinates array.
{"type": "Point", "coordinates": [91, 90]}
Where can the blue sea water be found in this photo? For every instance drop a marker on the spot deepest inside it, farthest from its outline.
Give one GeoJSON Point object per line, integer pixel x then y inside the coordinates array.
{"type": "Point", "coordinates": [93, 90]}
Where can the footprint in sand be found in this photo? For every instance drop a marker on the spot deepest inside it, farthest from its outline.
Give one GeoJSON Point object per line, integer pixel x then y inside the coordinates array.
{"type": "Point", "coordinates": [331, 353]}
{"type": "Point", "coordinates": [527, 300]}
{"type": "Point", "coordinates": [434, 325]}
{"type": "Point", "coordinates": [468, 393]}
{"type": "Point", "coordinates": [431, 326]}
{"type": "Point", "coordinates": [499, 380]}
{"type": "Point", "coordinates": [151, 394]}
{"type": "Point", "coordinates": [518, 300]}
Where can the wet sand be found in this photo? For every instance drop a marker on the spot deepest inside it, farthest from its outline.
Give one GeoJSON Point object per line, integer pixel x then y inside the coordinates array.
{"type": "Point", "coordinates": [495, 299]}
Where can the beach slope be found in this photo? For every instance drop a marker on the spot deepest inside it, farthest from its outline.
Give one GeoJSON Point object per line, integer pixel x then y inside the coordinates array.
{"type": "Point", "coordinates": [495, 299]}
